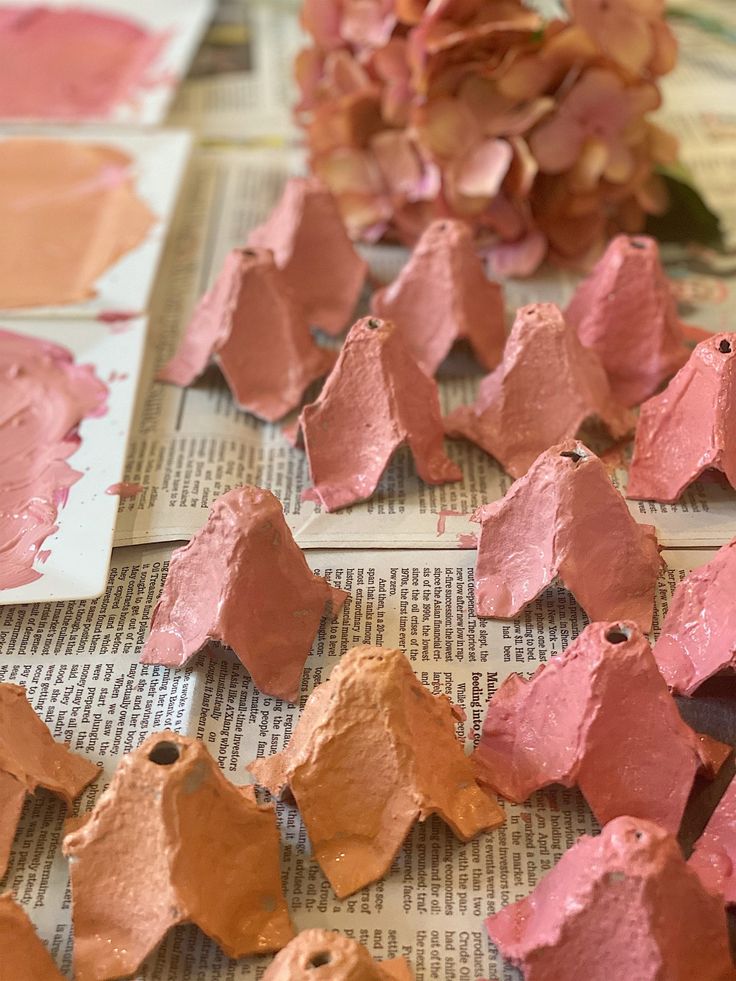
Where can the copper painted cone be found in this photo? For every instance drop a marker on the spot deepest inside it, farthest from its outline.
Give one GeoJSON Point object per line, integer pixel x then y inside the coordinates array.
{"type": "Point", "coordinates": [29, 758]}
{"type": "Point", "coordinates": [373, 752]}
{"type": "Point", "coordinates": [334, 957]}
{"type": "Point", "coordinates": [172, 841]}
{"type": "Point", "coordinates": [23, 956]}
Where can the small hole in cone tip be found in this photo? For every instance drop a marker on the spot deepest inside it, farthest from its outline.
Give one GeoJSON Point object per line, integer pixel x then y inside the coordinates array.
{"type": "Point", "coordinates": [573, 455]}
{"type": "Point", "coordinates": [638, 835]}
{"type": "Point", "coordinates": [249, 252]}
{"type": "Point", "coordinates": [618, 634]}
{"type": "Point", "coordinates": [725, 347]}
{"type": "Point", "coordinates": [320, 959]}
{"type": "Point", "coordinates": [373, 323]}
{"type": "Point", "coordinates": [164, 753]}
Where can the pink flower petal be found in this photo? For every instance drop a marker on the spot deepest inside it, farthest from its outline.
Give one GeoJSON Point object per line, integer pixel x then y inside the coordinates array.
{"type": "Point", "coordinates": [321, 19]}
{"type": "Point", "coordinates": [556, 144]}
{"type": "Point", "coordinates": [521, 258]}
{"type": "Point", "coordinates": [621, 32]}
{"type": "Point", "coordinates": [350, 171]}
{"type": "Point", "coordinates": [589, 166]}
{"type": "Point", "coordinates": [403, 170]}
{"type": "Point", "coordinates": [620, 165]}
{"type": "Point", "coordinates": [367, 23]}
{"type": "Point", "coordinates": [524, 168]}
{"type": "Point", "coordinates": [447, 128]}
{"type": "Point", "coordinates": [664, 57]}
{"type": "Point", "coordinates": [481, 172]}
{"type": "Point", "coordinates": [308, 69]}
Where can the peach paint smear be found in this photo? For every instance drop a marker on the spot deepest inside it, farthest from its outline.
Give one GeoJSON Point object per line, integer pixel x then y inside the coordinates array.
{"type": "Point", "coordinates": [68, 211]}
{"type": "Point", "coordinates": [72, 63]}
{"type": "Point", "coordinates": [45, 396]}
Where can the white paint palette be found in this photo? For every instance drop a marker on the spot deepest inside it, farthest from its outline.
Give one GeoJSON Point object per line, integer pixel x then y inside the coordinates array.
{"type": "Point", "coordinates": [78, 553]}
{"type": "Point", "coordinates": [159, 163]}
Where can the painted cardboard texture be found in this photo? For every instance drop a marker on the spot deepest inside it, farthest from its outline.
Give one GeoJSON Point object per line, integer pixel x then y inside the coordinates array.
{"type": "Point", "coordinates": [442, 296]}
{"type": "Point", "coordinates": [376, 399]}
{"type": "Point", "coordinates": [251, 325]}
{"type": "Point", "coordinates": [172, 841]}
{"type": "Point", "coordinates": [242, 581]}
{"type": "Point", "coordinates": [689, 427]}
{"type": "Point", "coordinates": [30, 758]}
{"type": "Point", "coordinates": [623, 904]}
{"type": "Point", "coordinates": [565, 518]}
{"type": "Point", "coordinates": [373, 752]}
{"type": "Point", "coordinates": [546, 387]}
{"type": "Point", "coordinates": [311, 246]}
{"type": "Point", "coordinates": [599, 716]}
{"type": "Point", "coordinates": [626, 313]}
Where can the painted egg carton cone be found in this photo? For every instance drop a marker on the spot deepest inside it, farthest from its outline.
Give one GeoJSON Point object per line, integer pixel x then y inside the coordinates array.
{"type": "Point", "coordinates": [442, 296]}
{"type": "Point", "coordinates": [698, 636]}
{"type": "Point", "coordinates": [689, 427]}
{"type": "Point", "coordinates": [311, 247]}
{"type": "Point", "coordinates": [545, 388]}
{"type": "Point", "coordinates": [626, 313]}
{"type": "Point", "coordinates": [599, 717]}
{"type": "Point", "coordinates": [250, 324]}
{"type": "Point", "coordinates": [30, 758]}
{"type": "Point", "coordinates": [334, 957]}
{"type": "Point", "coordinates": [565, 518]}
{"type": "Point", "coordinates": [242, 581]}
{"type": "Point", "coordinates": [172, 841]}
{"type": "Point", "coordinates": [23, 956]}
{"type": "Point", "coordinates": [623, 904]}
{"type": "Point", "coordinates": [714, 855]}
{"type": "Point", "coordinates": [373, 752]}
{"type": "Point", "coordinates": [376, 399]}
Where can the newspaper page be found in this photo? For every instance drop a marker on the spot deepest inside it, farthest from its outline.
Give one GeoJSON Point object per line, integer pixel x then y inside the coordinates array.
{"type": "Point", "coordinates": [705, 77]}
{"type": "Point", "coordinates": [190, 445]}
{"type": "Point", "coordinates": [79, 664]}
{"type": "Point", "coordinates": [253, 106]}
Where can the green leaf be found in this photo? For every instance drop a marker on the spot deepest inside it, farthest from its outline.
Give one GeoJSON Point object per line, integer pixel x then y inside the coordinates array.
{"type": "Point", "coordinates": [688, 218]}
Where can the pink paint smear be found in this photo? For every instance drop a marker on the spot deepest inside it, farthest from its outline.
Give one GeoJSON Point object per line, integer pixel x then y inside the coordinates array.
{"type": "Point", "coordinates": [442, 517]}
{"type": "Point", "coordinates": [124, 490]}
{"type": "Point", "coordinates": [72, 63]}
{"type": "Point", "coordinates": [45, 396]}
{"type": "Point", "coordinates": [467, 541]}
{"type": "Point", "coordinates": [117, 320]}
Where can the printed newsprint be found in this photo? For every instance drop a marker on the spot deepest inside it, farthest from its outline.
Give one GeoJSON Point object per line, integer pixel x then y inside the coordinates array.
{"type": "Point", "coordinates": [253, 106]}
{"type": "Point", "coordinates": [79, 664]}
{"type": "Point", "coordinates": [191, 445]}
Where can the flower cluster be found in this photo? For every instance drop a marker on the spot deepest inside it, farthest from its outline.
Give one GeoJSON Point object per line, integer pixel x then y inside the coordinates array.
{"type": "Point", "coordinates": [534, 131]}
